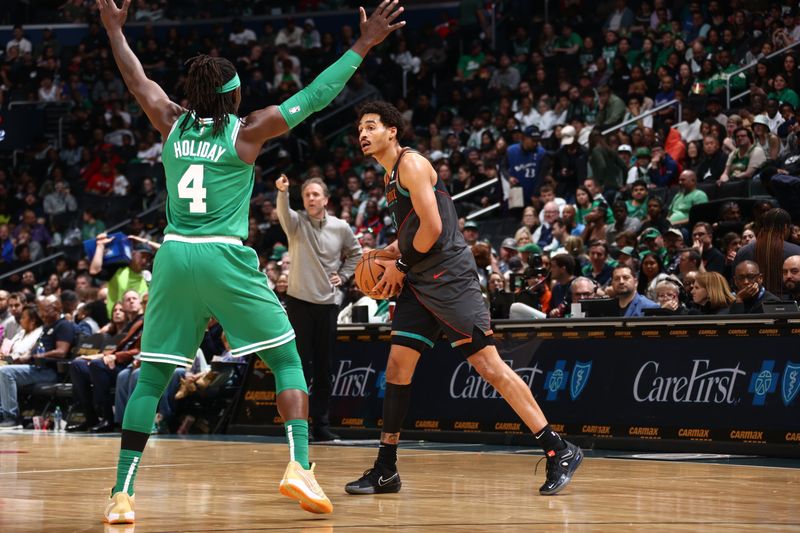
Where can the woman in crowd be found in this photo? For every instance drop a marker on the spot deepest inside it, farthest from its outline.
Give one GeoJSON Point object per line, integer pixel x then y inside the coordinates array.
{"type": "Point", "coordinates": [748, 236]}
{"type": "Point", "coordinates": [583, 204]}
{"type": "Point", "coordinates": [21, 346]}
{"type": "Point", "coordinates": [118, 321]}
{"type": "Point", "coordinates": [711, 294]}
{"type": "Point", "coordinates": [769, 142]}
{"type": "Point", "coordinates": [694, 155]}
{"type": "Point", "coordinates": [668, 296]}
{"type": "Point", "coordinates": [530, 220]}
{"type": "Point", "coordinates": [523, 236]}
{"type": "Point", "coordinates": [649, 269]}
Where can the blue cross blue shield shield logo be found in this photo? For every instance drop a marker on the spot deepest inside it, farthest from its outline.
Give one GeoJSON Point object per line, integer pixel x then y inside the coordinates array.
{"type": "Point", "coordinates": [791, 382]}
{"type": "Point", "coordinates": [580, 376]}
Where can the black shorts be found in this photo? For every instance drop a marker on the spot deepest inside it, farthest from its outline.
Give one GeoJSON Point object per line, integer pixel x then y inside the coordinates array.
{"type": "Point", "coordinates": [445, 297]}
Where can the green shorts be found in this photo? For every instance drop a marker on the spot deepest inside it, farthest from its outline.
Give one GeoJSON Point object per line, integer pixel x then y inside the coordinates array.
{"type": "Point", "coordinates": [194, 281]}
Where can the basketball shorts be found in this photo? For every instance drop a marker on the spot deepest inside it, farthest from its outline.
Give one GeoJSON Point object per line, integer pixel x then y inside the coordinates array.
{"type": "Point", "coordinates": [209, 277]}
{"type": "Point", "coordinates": [443, 298]}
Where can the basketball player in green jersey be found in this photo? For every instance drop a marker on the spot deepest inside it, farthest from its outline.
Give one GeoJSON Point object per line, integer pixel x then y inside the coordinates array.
{"type": "Point", "coordinates": [202, 269]}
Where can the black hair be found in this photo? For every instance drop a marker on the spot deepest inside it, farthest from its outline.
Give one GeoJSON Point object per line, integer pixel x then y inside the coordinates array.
{"type": "Point", "coordinates": [206, 73]}
{"type": "Point", "coordinates": [694, 256]}
{"type": "Point", "coordinates": [565, 261]}
{"type": "Point", "coordinates": [33, 314]}
{"type": "Point", "coordinates": [389, 114]}
{"type": "Point", "coordinates": [747, 131]}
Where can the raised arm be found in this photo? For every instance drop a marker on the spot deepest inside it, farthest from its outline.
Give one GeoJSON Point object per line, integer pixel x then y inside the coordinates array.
{"type": "Point", "coordinates": [274, 121]}
{"type": "Point", "coordinates": [154, 101]}
{"type": "Point", "coordinates": [287, 216]}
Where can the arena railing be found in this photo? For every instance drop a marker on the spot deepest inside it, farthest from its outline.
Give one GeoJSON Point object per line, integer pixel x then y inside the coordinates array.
{"type": "Point", "coordinates": [728, 97]}
{"type": "Point", "coordinates": [61, 253]}
{"type": "Point", "coordinates": [338, 111]}
{"type": "Point", "coordinates": [473, 190]}
{"type": "Point", "coordinates": [647, 113]}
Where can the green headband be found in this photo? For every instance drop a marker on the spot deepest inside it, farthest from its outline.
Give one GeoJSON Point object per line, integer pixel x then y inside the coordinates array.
{"type": "Point", "coordinates": [232, 84]}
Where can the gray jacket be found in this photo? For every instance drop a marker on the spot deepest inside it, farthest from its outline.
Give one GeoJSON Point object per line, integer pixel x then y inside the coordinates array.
{"type": "Point", "coordinates": [317, 249]}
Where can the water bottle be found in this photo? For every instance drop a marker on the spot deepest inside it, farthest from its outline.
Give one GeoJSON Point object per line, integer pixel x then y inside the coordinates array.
{"type": "Point", "coordinates": [40, 348]}
{"type": "Point", "coordinates": [57, 416]}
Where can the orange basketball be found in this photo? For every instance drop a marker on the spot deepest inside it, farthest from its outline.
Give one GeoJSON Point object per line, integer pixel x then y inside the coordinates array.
{"type": "Point", "coordinates": [368, 271]}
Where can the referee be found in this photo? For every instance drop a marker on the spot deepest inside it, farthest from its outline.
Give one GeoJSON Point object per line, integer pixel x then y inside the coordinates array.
{"type": "Point", "coordinates": [324, 253]}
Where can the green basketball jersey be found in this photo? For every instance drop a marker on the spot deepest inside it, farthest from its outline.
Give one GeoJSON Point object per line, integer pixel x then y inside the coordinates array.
{"type": "Point", "coordinates": [208, 186]}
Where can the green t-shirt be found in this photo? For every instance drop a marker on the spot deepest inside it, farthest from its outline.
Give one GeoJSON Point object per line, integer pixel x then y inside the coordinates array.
{"type": "Point", "coordinates": [469, 65]}
{"type": "Point", "coordinates": [208, 186]}
{"type": "Point", "coordinates": [786, 95]}
{"type": "Point", "coordinates": [662, 57]}
{"type": "Point", "coordinates": [638, 211]}
{"type": "Point", "coordinates": [683, 202]}
{"type": "Point", "coordinates": [568, 42]}
{"type": "Point", "coordinates": [609, 53]}
{"type": "Point", "coordinates": [90, 231]}
{"type": "Point", "coordinates": [632, 57]}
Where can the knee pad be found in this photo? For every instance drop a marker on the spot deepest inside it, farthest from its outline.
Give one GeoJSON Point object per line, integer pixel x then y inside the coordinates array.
{"type": "Point", "coordinates": [284, 361]}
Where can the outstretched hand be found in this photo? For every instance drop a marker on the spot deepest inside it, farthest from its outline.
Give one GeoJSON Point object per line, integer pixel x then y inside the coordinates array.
{"type": "Point", "coordinates": [379, 25]}
{"type": "Point", "coordinates": [113, 17]}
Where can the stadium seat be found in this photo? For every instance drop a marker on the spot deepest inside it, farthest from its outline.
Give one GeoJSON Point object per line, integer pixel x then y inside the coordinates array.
{"type": "Point", "coordinates": [710, 188]}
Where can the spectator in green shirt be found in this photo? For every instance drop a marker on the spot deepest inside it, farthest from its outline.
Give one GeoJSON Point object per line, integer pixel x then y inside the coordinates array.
{"type": "Point", "coordinates": [92, 226]}
{"type": "Point", "coordinates": [637, 205]}
{"type": "Point", "coordinates": [686, 198]}
{"type": "Point", "coordinates": [470, 63]}
{"type": "Point", "coordinates": [716, 83]}
{"type": "Point", "coordinates": [782, 93]}
{"type": "Point", "coordinates": [569, 43]}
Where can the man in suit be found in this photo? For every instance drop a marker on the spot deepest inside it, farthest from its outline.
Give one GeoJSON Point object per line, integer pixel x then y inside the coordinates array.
{"type": "Point", "coordinates": [623, 280]}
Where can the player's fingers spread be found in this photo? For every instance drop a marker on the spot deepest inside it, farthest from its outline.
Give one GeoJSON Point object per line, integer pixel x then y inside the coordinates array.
{"type": "Point", "coordinates": [381, 7]}
{"type": "Point", "coordinates": [398, 25]}
{"type": "Point", "coordinates": [125, 5]}
{"type": "Point", "coordinates": [396, 14]}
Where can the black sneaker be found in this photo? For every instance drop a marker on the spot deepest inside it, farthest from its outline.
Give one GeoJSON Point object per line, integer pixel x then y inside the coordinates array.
{"type": "Point", "coordinates": [376, 480]}
{"type": "Point", "coordinates": [560, 469]}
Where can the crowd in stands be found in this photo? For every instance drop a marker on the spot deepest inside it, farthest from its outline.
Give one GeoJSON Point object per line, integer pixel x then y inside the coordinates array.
{"type": "Point", "coordinates": [693, 209]}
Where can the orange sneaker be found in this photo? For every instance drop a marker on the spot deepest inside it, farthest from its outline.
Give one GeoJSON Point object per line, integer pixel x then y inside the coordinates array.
{"type": "Point", "coordinates": [120, 509]}
{"type": "Point", "coordinates": [301, 485]}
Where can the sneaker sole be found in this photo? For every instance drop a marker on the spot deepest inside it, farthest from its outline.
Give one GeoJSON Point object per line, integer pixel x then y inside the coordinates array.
{"type": "Point", "coordinates": [308, 504]}
{"type": "Point", "coordinates": [120, 519]}
{"type": "Point", "coordinates": [373, 490]}
{"type": "Point", "coordinates": [569, 477]}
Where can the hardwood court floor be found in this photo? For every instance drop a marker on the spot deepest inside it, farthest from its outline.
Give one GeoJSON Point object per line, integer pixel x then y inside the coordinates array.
{"type": "Point", "coordinates": [55, 483]}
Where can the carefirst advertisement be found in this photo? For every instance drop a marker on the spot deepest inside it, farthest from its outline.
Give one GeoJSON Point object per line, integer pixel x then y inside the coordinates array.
{"type": "Point", "coordinates": [697, 385]}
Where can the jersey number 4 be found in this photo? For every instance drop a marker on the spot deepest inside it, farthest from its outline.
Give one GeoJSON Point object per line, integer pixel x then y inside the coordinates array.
{"type": "Point", "coordinates": [191, 188]}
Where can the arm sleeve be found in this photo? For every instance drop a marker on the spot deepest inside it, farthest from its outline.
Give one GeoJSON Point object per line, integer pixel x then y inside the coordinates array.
{"type": "Point", "coordinates": [352, 254]}
{"type": "Point", "coordinates": [321, 91]}
{"type": "Point", "coordinates": [286, 215]}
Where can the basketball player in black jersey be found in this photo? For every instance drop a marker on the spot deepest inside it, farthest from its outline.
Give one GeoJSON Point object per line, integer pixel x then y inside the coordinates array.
{"type": "Point", "coordinates": [437, 280]}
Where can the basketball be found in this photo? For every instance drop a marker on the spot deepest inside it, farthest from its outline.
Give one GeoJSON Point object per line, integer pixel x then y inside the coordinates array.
{"type": "Point", "coordinates": [369, 272]}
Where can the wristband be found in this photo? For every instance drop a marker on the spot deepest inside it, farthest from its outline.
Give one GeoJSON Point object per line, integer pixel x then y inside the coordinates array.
{"type": "Point", "coordinates": [412, 257]}
{"type": "Point", "coordinates": [402, 267]}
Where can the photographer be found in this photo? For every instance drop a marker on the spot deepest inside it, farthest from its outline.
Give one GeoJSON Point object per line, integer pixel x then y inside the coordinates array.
{"type": "Point", "coordinates": [533, 290]}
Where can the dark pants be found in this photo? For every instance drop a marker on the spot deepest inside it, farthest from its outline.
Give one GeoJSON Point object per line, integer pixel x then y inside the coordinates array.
{"type": "Point", "coordinates": [92, 382]}
{"type": "Point", "coordinates": [315, 327]}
